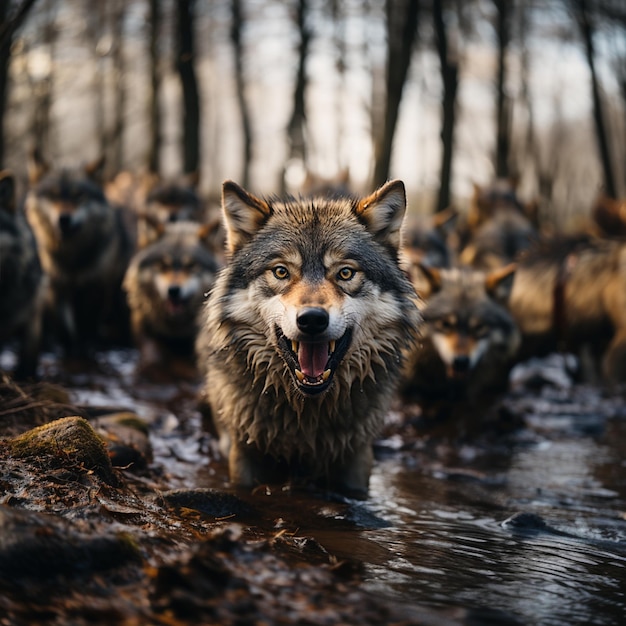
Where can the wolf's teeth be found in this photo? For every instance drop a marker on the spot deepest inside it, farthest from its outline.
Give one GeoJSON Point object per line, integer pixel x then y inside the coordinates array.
{"type": "Point", "coordinates": [325, 375]}
{"type": "Point", "coordinates": [294, 346]}
{"type": "Point", "coordinates": [331, 346]}
{"type": "Point", "coordinates": [299, 375]}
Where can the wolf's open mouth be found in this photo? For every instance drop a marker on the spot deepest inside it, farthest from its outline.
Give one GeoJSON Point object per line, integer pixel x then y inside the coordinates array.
{"type": "Point", "coordinates": [313, 363]}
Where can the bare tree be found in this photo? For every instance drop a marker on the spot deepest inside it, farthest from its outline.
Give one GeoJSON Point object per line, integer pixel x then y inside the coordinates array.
{"type": "Point", "coordinates": [584, 19]}
{"type": "Point", "coordinates": [402, 16]}
{"type": "Point", "coordinates": [237, 23]}
{"type": "Point", "coordinates": [185, 59]}
{"type": "Point", "coordinates": [449, 65]}
{"type": "Point", "coordinates": [504, 9]}
{"type": "Point", "coordinates": [11, 18]}
{"type": "Point", "coordinates": [116, 140]}
{"type": "Point", "coordinates": [154, 105]}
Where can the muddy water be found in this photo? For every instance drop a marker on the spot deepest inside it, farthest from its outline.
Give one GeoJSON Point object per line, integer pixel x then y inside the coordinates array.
{"type": "Point", "coordinates": [442, 527]}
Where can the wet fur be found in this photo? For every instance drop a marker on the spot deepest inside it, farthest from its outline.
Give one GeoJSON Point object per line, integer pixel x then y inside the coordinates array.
{"type": "Point", "coordinates": [269, 429]}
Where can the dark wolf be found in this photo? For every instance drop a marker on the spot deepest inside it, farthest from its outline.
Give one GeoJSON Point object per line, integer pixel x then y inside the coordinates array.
{"type": "Point", "coordinates": [22, 282]}
{"type": "Point", "coordinates": [569, 295]}
{"type": "Point", "coordinates": [304, 334]}
{"type": "Point", "coordinates": [84, 248]}
{"type": "Point", "coordinates": [166, 285]}
{"type": "Point", "coordinates": [469, 339]}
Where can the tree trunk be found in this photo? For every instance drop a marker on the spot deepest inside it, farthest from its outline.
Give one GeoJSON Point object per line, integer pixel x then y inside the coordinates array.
{"type": "Point", "coordinates": [296, 128]}
{"type": "Point", "coordinates": [116, 155]}
{"type": "Point", "coordinates": [235, 36]}
{"type": "Point", "coordinates": [9, 23]}
{"type": "Point", "coordinates": [584, 22]}
{"type": "Point", "coordinates": [185, 57]}
{"type": "Point", "coordinates": [401, 29]}
{"type": "Point", "coordinates": [154, 115]}
{"type": "Point", "coordinates": [450, 79]}
{"type": "Point", "coordinates": [503, 112]}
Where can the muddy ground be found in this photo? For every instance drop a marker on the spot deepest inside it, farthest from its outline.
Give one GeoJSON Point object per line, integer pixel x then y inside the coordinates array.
{"type": "Point", "coordinates": [115, 509]}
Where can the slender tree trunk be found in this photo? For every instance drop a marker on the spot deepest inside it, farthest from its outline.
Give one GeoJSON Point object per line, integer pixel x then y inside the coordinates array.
{"type": "Point", "coordinates": [584, 21]}
{"type": "Point", "coordinates": [119, 78]}
{"type": "Point", "coordinates": [185, 58]}
{"type": "Point", "coordinates": [401, 30]}
{"type": "Point", "coordinates": [503, 109]}
{"type": "Point", "coordinates": [155, 114]}
{"type": "Point", "coordinates": [450, 79]}
{"type": "Point", "coordinates": [10, 21]}
{"type": "Point", "coordinates": [235, 36]}
{"type": "Point", "coordinates": [296, 128]}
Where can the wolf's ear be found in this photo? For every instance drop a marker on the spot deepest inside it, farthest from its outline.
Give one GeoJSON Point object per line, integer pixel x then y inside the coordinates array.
{"type": "Point", "coordinates": [500, 282]}
{"type": "Point", "coordinates": [243, 215]}
{"type": "Point", "coordinates": [7, 191]}
{"type": "Point", "coordinates": [383, 212]}
{"type": "Point", "coordinates": [37, 166]}
{"type": "Point", "coordinates": [426, 279]}
{"type": "Point", "coordinates": [95, 169]}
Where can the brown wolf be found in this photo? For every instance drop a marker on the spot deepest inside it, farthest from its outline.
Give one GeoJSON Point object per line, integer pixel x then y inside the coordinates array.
{"type": "Point", "coordinates": [469, 339]}
{"type": "Point", "coordinates": [166, 285]}
{"type": "Point", "coordinates": [304, 334]}
{"type": "Point", "coordinates": [84, 248]}
{"type": "Point", "coordinates": [570, 294]}
{"type": "Point", "coordinates": [22, 282]}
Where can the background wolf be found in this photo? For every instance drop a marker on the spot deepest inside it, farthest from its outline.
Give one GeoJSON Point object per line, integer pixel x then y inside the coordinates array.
{"type": "Point", "coordinates": [22, 282]}
{"type": "Point", "coordinates": [84, 248]}
{"type": "Point", "coordinates": [166, 284]}
{"type": "Point", "coordinates": [304, 334]}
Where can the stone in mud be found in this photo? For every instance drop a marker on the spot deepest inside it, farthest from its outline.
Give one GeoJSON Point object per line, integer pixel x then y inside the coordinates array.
{"type": "Point", "coordinates": [39, 546]}
{"type": "Point", "coordinates": [127, 438]}
{"type": "Point", "coordinates": [69, 442]}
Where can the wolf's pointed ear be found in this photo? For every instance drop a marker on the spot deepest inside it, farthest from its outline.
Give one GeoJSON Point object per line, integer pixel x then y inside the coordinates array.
{"type": "Point", "coordinates": [426, 279]}
{"type": "Point", "coordinates": [37, 166]}
{"type": "Point", "coordinates": [383, 212]}
{"type": "Point", "coordinates": [499, 283]}
{"type": "Point", "coordinates": [7, 191]}
{"type": "Point", "coordinates": [243, 215]}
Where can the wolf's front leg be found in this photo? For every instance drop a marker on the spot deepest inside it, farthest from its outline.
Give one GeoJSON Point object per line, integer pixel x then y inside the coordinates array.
{"type": "Point", "coordinates": [353, 474]}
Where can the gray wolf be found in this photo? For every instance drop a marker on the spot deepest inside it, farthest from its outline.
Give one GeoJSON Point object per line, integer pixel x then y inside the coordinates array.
{"type": "Point", "coordinates": [499, 227]}
{"type": "Point", "coordinates": [166, 284]}
{"type": "Point", "coordinates": [469, 339]}
{"type": "Point", "coordinates": [22, 282]}
{"type": "Point", "coordinates": [84, 248]}
{"type": "Point", "coordinates": [304, 334]}
{"type": "Point", "coordinates": [569, 294]}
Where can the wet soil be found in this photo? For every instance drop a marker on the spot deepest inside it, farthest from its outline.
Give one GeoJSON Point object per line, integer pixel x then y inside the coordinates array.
{"type": "Point", "coordinates": [513, 513]}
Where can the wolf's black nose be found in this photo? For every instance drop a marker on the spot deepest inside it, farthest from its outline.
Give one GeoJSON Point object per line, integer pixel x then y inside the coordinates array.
{"type": "Point", "coordinates": [65, 222]}
{"type": "Point", "coordinates": [312, 320]}
{"type": "Point", "coordinates": [461, 364]}
{"type": "Point", "coordinates": [173, 293]}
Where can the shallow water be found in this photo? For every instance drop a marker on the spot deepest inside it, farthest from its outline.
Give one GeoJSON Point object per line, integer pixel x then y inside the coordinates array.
{"type": "Point", "coordinates": [434, 531]}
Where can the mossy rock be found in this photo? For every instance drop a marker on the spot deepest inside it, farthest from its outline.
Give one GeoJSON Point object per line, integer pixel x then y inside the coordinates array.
{"type": "Point", "coordinates": [69, 442]}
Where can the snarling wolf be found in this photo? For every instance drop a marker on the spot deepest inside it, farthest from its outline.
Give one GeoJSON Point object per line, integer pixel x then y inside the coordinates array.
{"type": "Point", "coordinates": [84, 248]}
{"type": "Point", "coordinates": [22, 282]}
{"type": "Point", "coordinates": [166, 285]}
{"type": "Point", "coordinates": [469, 339]}
{"type": "Point", "coordinates": [569, 294]}
{"type": "Point", "coordinates": [304, 334]}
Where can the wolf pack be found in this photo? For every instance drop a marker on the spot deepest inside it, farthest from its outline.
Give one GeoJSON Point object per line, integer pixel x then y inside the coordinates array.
{"type": "Point", "coordinates": [305, 317]}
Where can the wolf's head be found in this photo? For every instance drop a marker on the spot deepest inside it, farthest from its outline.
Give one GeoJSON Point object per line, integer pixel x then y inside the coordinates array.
{"type": "Point", "coordinates": [313, 286]}
{"type": "Point", "coordinates": [466, 317]}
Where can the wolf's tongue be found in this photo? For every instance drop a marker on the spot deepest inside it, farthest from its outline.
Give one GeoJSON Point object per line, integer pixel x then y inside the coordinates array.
{"type": "Point", "coordinates": [313, 358]}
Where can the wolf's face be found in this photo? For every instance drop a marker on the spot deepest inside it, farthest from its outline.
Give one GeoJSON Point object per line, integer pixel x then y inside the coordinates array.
{"type": "Point", "coordinates": [317, 283]}
{"type": "Point", "coordinates": [466, 319]}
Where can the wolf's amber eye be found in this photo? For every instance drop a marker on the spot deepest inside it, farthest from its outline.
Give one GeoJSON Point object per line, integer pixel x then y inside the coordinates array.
{"type": "Point", "coordinates": [280, 272]}
{"type": "Point", "coordinates": [346, 273]}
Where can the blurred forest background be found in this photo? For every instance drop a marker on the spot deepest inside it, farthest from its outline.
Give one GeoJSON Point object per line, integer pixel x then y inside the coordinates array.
{"type": "Point", "coordinates": [440, 93]}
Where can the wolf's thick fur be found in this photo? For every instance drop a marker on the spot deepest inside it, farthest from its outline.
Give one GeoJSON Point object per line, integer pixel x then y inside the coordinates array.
{"type": "Point", "coordinates": [22, 282]}
{"type": "Point", "coordinates": [84, 248]}
{"type": "Point", "coordinates": [166, 284]}
{"type": "Point", "coordinates": [470, 339]}
{"type": "Point", "coordinates": [306, 278]}
{"type": "Point", "coordinates": [570, 294]}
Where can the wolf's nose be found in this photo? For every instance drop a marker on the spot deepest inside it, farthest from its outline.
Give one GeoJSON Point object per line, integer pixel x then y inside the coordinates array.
{"type": "Point", "coordinates": [65, 222]}
{"type": "Point", "coordinates": [461, 364]}
{"type": "Point", "coordinates": [312, 320]}
{"type": "Point", "coordinates": [173, 292]}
